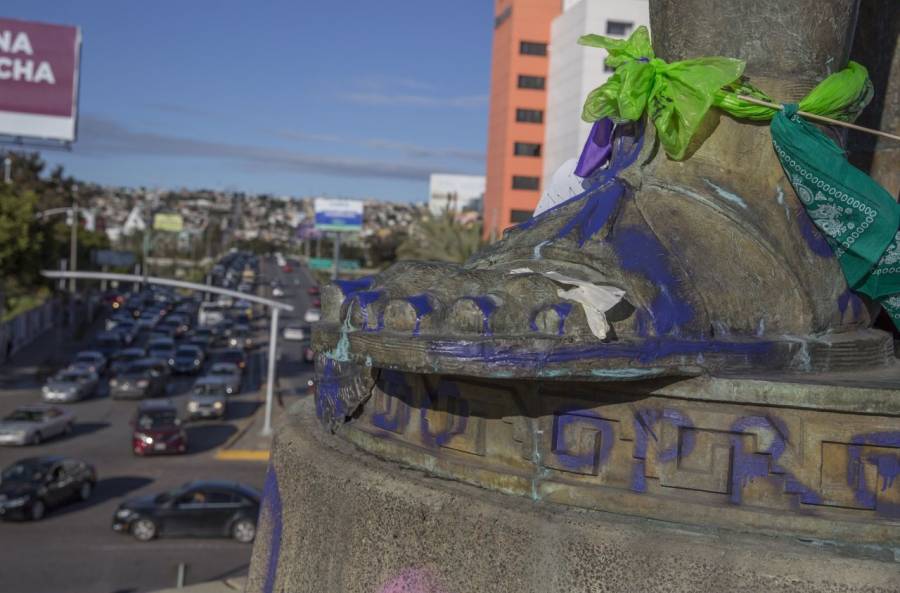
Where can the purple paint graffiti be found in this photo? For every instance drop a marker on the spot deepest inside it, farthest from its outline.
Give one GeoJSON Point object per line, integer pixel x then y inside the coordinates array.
{"type": "Point", "coordinates": [641, 252]}
{"type": "Point", "coordinates": [848, 297]}
{"type": "Point", "coordinates": [887, 464]}
{"type": "Point", "coordinates": [271, 505]}
{"type": "Point", "coordinates": [365, 298]}
{"type": "Point", "coordinates": [747, 465]}
{"type": "Point", "coordinates": [646, 351]}
{"type": "Point", "coordinates": [396, 416]}
{"type": "Point", "coordinates": [562, 312]}
{"type": "Point", "coordinates": [487, 305]}
{"type": "Point", "coordinates": [329, 405]}
{"type": "Point", "coordinates": [644, 421]}
{"type": "Point", "coordinates": [422, 305]}
{"type": "Point", "coordinates": [412, 580]}
{"type": "Point", "coordinates": [446, 393]}
{"type": "Point", "coordinates": [349, 287]}
{"type": "Point", "coordinates": [599, 206]}
{"type": "Point", "coordinates": [594, 457]}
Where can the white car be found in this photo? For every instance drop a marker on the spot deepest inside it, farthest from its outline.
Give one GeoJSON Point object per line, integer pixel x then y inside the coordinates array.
{"type": "Point", "coordinates": [277, 291]}
{"type": "Point", "coordinates": [312, 315]}
{"type": "Point", "coordinates": [70, 385]}
{"type": "Point", "coordinates": [294, 333]}
{"type": "Point", "coordinates": [226, 374]}
{"type": "Point", "coordinates": [30, 425]}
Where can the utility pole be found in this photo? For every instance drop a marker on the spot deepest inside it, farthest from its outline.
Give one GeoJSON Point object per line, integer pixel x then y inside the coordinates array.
{"type": "Point", "coordinates": [7, 169]}
{"type": "Point", "coordinates": [336, 256]}
{"type": "Point", "coordinates": [73, 239]}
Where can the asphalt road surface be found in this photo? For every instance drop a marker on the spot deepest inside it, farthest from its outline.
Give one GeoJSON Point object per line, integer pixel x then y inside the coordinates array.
{"type": "Point", "coordinates": [73, 549]}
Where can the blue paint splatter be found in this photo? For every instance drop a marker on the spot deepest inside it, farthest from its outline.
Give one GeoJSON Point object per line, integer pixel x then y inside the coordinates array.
{"type": "Point", "coordinates": [487, 306]}
{"type": "Point", "coordinates": [366, 298]}
{"type": "Point", "coordinates": [458, 414]}
{"type": "Point", "coordinates": [645, 351]}
{"type": "Point", "coordinates": [888, 466]}
{"type": "Point", "coordinates": [815, 240]}
{"type": "Point", "coordinates": [747, 465]}
{"type": "Point", "coordinates": [596, 211]}
{"type": "Point", "coordinates": [396, 417]}
{"type": "Point", "coordinates": [641, 252]}
{"type": "Point", "coordinates": [562, 312]}
{"type": "Point", "coordinates": [349, 287]}
{"type": "Point", "coordinates": [644, 421]}
{"type": "Point", "coordinates": [422, 305]}
{"type": "Point", "coordinates": [594, 457]}
{"type": "Point", "coordinates": [271, 502]}
{"type": "Point", "coordinates": [329, 405]}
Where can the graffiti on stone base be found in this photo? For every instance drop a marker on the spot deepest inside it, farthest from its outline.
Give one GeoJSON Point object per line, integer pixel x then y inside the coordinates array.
{"type": "Point", "coordinates": [271, 506]}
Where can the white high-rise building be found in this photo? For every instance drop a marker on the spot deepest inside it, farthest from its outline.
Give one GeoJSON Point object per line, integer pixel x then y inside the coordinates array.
{"type": "Point", "coordinates": [576, 70]}
{"type": "Point", "coordinates": [455, 193]}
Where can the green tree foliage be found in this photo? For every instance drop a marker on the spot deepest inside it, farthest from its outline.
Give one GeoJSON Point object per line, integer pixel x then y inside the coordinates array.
{"type": "Point", "coordinates": [441, 238]}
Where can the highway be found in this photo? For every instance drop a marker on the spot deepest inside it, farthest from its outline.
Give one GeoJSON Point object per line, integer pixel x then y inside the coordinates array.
{"type": "Point", "coordinates": [73, 549]}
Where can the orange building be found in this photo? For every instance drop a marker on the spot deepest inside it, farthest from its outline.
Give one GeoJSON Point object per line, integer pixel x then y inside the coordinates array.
{"type": "Point", "coordinates": [519, 66]}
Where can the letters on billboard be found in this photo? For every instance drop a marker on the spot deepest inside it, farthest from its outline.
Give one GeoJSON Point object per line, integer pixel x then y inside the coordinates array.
{"type": "Point", "coordinates": [39, 80]}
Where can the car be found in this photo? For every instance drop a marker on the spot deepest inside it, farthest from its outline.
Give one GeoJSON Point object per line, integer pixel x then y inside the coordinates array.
{"type": "Point", "coordinates": [148, 319]}
{"type": "Point", "coordinates": [199, 508]}
{"type": "Point", "coordinates": [163, 349]}
{"type": "Point", "coordinates": [156, 429]}
{"type": "Point", "coordinates": [233, 355]}
{"type": "Point", "coordinates": [287, 269]}
{"type": "Point", "coordinates": [127, 331]}
{"type": "Point", "coordinates": [108, 343]}
{"type": "Point", "coordinates": [117, 318]}
{"type": "Point", "coordinates": [315, 303]}
{"type": "Point", "coordinates": [207, 400]}
{"type": "Point", "coordinates": [162, 332]}
{"type": "Point", "coordinates": [294, 333]}
{"type": "Point", "coordinates": [91, 360]}
{"type": "Point", "coordinates": [201, 337]}
{"type": "Point", "coordinates": [226, 374]}
{"type": "Point", "coordinates": [32, 485]}
{"type": "Point", "coordinates": [70, 385]}
{"type": "Point", "coordinates": [309, 355]}
{"type": "Point", "coordinates": [123, 358]}
{"type": "Point", "coordinates": [277, 291]}
{"type": "Point", "coordinates": [240, 337]}
{"type": "Point", "coordinates": [312, 315]}
{"type": "Point", "coordinates": [32, 424]}
{"type": "Point", "coordinates": [312, 290]}
{"type": "Point", "coordinates": [245, 287]}
{"type": "Point", "coordinates": [188, 359]}
{"type": "Point", "coordinates": [143, 378]}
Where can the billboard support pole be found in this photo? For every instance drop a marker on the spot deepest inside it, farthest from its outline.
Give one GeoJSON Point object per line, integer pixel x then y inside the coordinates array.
{"type": "Point", "coordinates": [7, 168]}
{"type": "Point", "coordinates": [336, 256]}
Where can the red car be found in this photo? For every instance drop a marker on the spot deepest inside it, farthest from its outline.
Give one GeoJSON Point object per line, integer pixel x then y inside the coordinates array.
{"type": "Point", "coordinates": [287, 269]}
{"type": "Point", "coordinates": [316, 302]}
{"type": "Point", "coordinates": [157, 429]}
{"type": "Point", "coordinates": [313, 290]}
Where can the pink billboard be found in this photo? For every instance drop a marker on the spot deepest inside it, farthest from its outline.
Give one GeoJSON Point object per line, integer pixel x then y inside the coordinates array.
{"type": "Point", "coordinates": [38, 80]}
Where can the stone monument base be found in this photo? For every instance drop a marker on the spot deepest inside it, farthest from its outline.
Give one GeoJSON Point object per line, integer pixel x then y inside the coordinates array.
{"type": "Point", "coordinates": [339, 519]}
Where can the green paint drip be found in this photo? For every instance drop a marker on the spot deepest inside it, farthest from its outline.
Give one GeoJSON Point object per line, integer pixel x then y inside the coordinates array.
{"type": "Point", "coordinates": [341, 350]}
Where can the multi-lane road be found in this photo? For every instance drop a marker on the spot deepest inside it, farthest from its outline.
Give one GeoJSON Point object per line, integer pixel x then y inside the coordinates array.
{"type": "Point", "coordinates": [74, 549]}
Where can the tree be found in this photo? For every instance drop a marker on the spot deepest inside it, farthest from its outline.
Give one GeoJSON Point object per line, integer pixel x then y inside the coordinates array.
{"type": "Point", "coordinates": [441, 238]}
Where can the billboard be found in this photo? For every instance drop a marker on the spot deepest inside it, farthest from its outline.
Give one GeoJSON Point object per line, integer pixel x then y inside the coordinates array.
{"type": "Point", "coordinates": [163, 221]}
{"type": "Point", "coordinates": [455, 193]}
{"type": "Point", "coordinates": [338, 215]}
{"type": "Point", "coordinates": [39, 79]}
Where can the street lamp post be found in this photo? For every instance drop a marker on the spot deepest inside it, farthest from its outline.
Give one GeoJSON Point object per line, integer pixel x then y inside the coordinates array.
{"type": "Point", "coordinates": [73, 239]}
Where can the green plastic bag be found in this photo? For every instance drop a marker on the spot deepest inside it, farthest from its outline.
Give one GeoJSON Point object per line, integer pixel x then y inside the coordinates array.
{"type": "Point", "coordinates": [676, 96]}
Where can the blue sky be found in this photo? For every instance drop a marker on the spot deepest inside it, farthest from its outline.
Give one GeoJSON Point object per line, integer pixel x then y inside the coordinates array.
{"type": "Point", "coordinates": [355, 98]}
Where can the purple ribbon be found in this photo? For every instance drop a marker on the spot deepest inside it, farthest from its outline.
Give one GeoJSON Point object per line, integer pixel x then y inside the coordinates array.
{"type": "Point", "coordinates": [597, 150]}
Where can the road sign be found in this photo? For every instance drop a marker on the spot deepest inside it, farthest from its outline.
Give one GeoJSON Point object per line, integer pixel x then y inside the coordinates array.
{"type": "Point", "coordinates": [113, 259]}
{"type": "Point", "coordinates": [168, 222]}
{"type": "Point", "coordinates": [338, 215]}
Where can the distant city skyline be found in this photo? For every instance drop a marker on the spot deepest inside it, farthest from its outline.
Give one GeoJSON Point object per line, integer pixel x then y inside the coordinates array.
{"type": "Point", "coordinates": [355, 100]}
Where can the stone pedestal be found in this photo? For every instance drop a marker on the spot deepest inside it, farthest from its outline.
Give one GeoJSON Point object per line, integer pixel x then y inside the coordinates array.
{"type": "Point", "coordinates": [452, 484]}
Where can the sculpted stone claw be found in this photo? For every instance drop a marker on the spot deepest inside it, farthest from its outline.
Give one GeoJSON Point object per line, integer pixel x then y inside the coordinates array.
{"type": "Point", "coordinates": [721, 270]}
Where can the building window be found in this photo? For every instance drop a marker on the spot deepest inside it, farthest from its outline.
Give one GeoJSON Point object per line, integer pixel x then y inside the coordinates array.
{"type": "Point", "coordinates": [526, 149]}
{"type": "Point", "coordinates": [532, 48]}
{"type": "Point", "coordinates": [501, 18]}
{"type": "Point", "coordinates": [518, 216]}
{"type": "Point", "coordinates": [531, 82]}
{"type": "Point", "coordinates": [530, 116]}
{"type": "Point", "coordinates": [618, 28]}
{"type": "Point", "coordinates": [523, 182]}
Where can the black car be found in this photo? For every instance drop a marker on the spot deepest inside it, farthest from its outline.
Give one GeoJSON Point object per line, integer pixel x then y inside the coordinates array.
{"type": "Point", "coordinates": [196, 509]}
{"type": "Point", "coordinates": [31, 486]}
{"type": "Point", "coordinates": [143, 378]}
{"type": "Point", "coordinates": [188, 359]}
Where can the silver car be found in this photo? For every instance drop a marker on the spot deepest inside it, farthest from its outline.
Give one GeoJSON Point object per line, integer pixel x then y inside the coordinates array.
{"type": "Point", "coordinates": [207, 400]}
{"type": "Point", "coordinates": [70, 385]}
{"type": "Point", "coordinates": [31, 425]}
{"type": "Point", "coordinates": [226, 374]}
